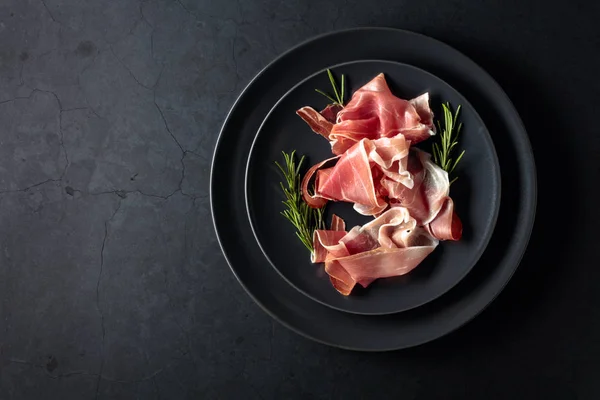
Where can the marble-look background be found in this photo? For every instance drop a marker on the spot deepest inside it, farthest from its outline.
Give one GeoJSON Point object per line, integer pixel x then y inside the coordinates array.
{"type": "Point", "coordinates": [112, 285]}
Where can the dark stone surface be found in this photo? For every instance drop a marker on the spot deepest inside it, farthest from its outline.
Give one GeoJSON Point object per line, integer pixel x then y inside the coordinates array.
{"type": "Point", "coordinates": [112, 285]}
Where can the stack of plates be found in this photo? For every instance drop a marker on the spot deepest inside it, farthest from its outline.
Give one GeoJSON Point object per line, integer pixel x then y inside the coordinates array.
{"type": "Point", "coordinates": [459, 279]}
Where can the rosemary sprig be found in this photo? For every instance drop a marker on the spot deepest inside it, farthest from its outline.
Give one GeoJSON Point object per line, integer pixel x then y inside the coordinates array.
{"type": "Point", "coordinates": [304, 218]}
{"type": "Point", "coordinates": [442, 151]}
{"type": "Point", "coordinates": [339, 93]}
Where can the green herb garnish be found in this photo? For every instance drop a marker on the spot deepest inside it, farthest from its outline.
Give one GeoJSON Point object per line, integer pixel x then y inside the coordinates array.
{"type": "Point", "coordinates": [442, 152]}
{"type": "Point", "coordinates": [304, 218]}
{"type": "Point", "coordinates": [338, 93]}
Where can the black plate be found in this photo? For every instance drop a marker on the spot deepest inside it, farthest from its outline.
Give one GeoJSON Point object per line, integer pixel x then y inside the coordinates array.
{"type": "Point", "coordinates": [394, 331]}
{"type": "Point", "coordinates": [451, 261]}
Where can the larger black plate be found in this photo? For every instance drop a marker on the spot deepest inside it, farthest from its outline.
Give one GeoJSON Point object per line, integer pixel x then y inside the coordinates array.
{"type": "Point", "coordinates": [476, 194]}
{"type": "Point", "coordinates": [421, 324]}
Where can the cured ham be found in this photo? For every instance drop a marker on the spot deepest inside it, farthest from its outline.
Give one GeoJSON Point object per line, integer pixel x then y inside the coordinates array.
{"type": "Point", "coordinates": [317, 122]}
{"type": "Point", "coordinates": [330, 112]}
{"type": "Point", "coordinates": [428, 200]}
{"type": "Point", "coordinates": [351, 179]}
{"type": "Point", "coordinates": [315, 200]}
{"type": "Point", "coordinates": [446, 225]}
{"type": "Point", "coordinates": [372, 113]}
{"type": "Point", "coordinates": [390, 245]}
{"type": "Point", "coordinates": [337, 223]}
{"type": "Point", "coordinates": [356, 177]}
{"type": "Point", "coordinates": [382, 173]}
{"type": "Point", "coordinates": [320, 122]}
{"type": "Point", "coordinates": [429, 191]}
{"type": "Point", "coordinates": [376, 168]}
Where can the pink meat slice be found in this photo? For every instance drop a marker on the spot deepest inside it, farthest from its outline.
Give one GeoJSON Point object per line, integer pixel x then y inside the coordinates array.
{"type": "Point", "coordinates": [352, 177]}
{"type": "Point", "coordinates": [320, 122]}
{"type": "Point", "coordinates": [429, 192]}
{"type": "Point", "coordinates": [446, 225]}
{"type": "Point", "coordinates": [390, 245]}
{"type": "Point", "coordinates": [317, 122]}
{"type": "Point", "coordinates": [315, 200]}
{"type": "Point", "coordinates": [327, 242]}
{"type": "Point", "coordinates": [428, 200]}
{"type": "Point", "coordinates": [337, 223]}
{"type": "Point", "coordinates": [373, 112]}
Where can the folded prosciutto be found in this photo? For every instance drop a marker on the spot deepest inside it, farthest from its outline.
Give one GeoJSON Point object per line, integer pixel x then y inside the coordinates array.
{"type": "Point", "coordinates": [357, 175]}
{"type": "Point", "coordinates": [372, 113]}
{"type": "Point", "coordinates": [382, 173]}
{"type": "Point", "coordinates": [428, 200]}
{"type": "Point", "coordinates": [390, 245]}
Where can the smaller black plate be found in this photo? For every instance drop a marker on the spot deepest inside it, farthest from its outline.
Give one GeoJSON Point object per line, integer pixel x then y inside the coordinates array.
{"type": "Point", "coordinates": [476, 193]}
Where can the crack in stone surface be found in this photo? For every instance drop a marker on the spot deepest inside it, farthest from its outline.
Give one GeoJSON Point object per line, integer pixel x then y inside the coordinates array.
{"type": "Point", "coordinates": [100, 311]}
{"type": "Point", "coordinates": [123, 194]}
{"type": "Point", "coordinates": [25, 189]}
{"type": "Point", "coordinates": [151, 38]}
{"type": "Point", "coordinates": [168, 129]}
{"type": "Point", "coordinates": [142, 15]}
{"type": "Point", "coordinates": [61, 110]}
{"type": "Point", "coordinates": [187, 10]}
{"type": "Point", "coordinates": [87, 101]}
{"type": "Point", "coordinates": [61, 134]}
{"type": "Point", "coordinates": [18, 98]}
{"type": "Point", "coordinates": [167, 126]}
{"type": "Point", "coordinates": [122, 63]}
{"type": "Point", "coordinates": [50, 12]}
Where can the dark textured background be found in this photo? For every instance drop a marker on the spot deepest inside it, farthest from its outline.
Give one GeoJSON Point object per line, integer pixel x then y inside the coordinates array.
{"type": "Point", "coordinates": [111, 281]}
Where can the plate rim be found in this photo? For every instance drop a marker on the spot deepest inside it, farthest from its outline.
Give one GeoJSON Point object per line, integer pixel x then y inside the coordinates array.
{"type": "Point", "coordinates": [494, 212]}
{"type": "Point", "coordinates": [531, 205]}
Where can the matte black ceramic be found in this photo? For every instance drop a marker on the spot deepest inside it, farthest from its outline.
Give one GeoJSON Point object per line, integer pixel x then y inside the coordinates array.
{"type": "Point", "coordinates": [373, 332]}
{"type": "Point", "coordinates": [476, 193]}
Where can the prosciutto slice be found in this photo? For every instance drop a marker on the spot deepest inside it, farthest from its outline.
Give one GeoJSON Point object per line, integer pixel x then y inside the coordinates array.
{"type": "Point", "coordinates": [331, 112]}
{"type": "Point", "coordinates": [428, 200]}
{"type": "Point", "coordinates": [357, 175]}
{"type": "Point", "coordinates": [372, 113]}
{"type": "Point", "coordinates": [320, 122]}
{"type": "Point", "coordinates": [315, 200]}
{"type": "Point", "coordinates": [390, 245]}
{"type": "Point", "coordinates": [317, 122]}
{"type": "Point", "coordinates": [351, 179]}
{"type": "Point", "coordinates": [446, 225]}
{"type": "Point", "coordinates": [430, 188]}
{"type": "Point", "coordinates": [328, 241]}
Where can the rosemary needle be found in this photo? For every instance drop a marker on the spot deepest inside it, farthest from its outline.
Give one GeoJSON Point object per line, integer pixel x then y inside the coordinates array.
{"type": "Point", "coordinates": [304, 218]}
{"type": "Point", "coordinates": [339, 93]}
{"type": "Point", "coordinates": [442, 152]}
